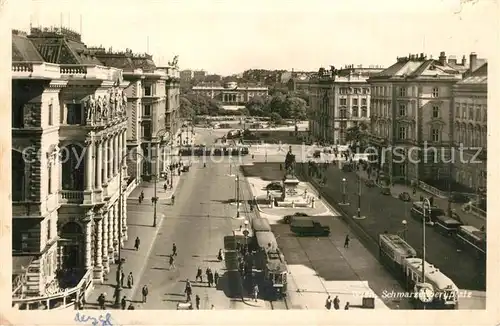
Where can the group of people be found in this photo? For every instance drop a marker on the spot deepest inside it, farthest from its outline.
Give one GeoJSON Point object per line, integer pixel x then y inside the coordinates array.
{"type": "Point", "coordinates": [335, 303]}
{"type": "Point", "coordinates": [212, 277]}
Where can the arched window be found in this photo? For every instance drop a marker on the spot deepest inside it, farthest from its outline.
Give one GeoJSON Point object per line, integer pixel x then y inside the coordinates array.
{"type": "Point", "coordinates": [73, 167]}
{"type": "Point", "coordinates": [18, 176]}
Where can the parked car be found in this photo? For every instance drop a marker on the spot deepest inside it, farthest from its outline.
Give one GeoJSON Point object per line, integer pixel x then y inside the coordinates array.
{"type": "Point", "coordinates": [459, 198]}
{"type": "Point", "coordinates": [386, 191]}
{"type": "Point", "coordinates": [404, 196]}
{"type": "Point", "coordinates": [370, 183]}
{"type": "Point", "coordinates": [288, 218]}
{"type": "Point", "coordinates": [307, 227]}
{"type": "Point", "coordinates": [275, 185]}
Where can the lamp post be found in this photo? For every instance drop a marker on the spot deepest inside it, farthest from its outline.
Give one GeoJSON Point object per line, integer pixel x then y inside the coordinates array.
{"type": "Point", "coordinates": [120, 213]}
{"type": "Point", "coordinates": [344, 191]}
{"type": "Point", "coordinates": [359, 197]}
{"type": "Point", "coordinates": [426, 205]}
{"type": "Point", "coordinates": [405, 228]}
{"type": "Point", "coordinates": [237, 196]}
{"type": "Point", "coordinates": [155, 197]}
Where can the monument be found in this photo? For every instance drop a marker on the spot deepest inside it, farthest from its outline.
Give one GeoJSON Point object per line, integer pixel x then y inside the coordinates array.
{"type": "Point", "coordinates": [290, 181]}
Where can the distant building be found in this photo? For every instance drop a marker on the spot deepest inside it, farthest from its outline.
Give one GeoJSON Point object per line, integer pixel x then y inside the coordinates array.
{"type": "Point", "coordinates": [186, 76]}
{"type": "Point", "coordinates": [339, 100]}
{"type": "Point", "coordinates": [230, 94]}
{"type": "Point", "coordinates": [199, 75]}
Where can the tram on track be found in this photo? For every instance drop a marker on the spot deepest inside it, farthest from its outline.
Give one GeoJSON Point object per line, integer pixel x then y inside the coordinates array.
{"type": "Point", "coordinates": [401, 259]}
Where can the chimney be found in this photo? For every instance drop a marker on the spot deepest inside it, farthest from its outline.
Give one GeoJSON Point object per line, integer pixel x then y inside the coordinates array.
{"type": "Point", "coordinates": [473, 61]}
{"type": "Point", "coordinates": [464, 61]}
{"type": "Point", "coordinates": [442, 58]}
{"type": "Point", "coordinates": [452, 60]}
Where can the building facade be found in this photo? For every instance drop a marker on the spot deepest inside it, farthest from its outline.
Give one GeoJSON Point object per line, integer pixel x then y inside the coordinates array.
{"type": "Point", "coordinates": [470, 102]}
{"type": "Point", "coordinates": [69, 132]}
{"type": "Point", "coordinates": [340, 99]}
{"type": "Point", "coordinates": [70, 118]}
{"type": "Point", "coordinates": [411, 110]}
{"type": "Point", "coordinates": [230, 93]}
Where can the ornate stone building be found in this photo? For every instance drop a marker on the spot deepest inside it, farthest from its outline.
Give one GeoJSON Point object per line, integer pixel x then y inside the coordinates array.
{"type": "Point", "coordinates": [412, 109]}
{"type": "Point", "coordinates": [470, 117]}
{"type": "Point", "coordinates": [69, 124]}
{"type": "Point", "coordinates": [340, 99]}
{"type": "Point", "coordinates": [230, 93]}
{"type": "Point", "coordinates": [153, 110]}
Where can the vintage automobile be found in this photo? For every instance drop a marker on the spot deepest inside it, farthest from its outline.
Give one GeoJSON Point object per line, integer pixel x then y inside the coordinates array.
{"type": "Point", "coordinates": [288, 218]}
{"type": "Point", "coordinates": [370, 183]}
{"type": "Point", "coordinates": [275, 185]}
{"type": "Point", "coordinates": [308, 227]}
{"type": "Point", "coordinates": [404, 196]}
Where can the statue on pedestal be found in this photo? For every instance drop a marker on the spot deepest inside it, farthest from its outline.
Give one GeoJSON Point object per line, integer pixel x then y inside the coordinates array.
{"type": "Point", "coordinates": [290, 162]}
{"type": "Point", "coordinates": [124, 102]}
{"type": "Point", "coordinates": [111, 103]}
{"type": "Point", "coordinates": [99, 108]}
{"type": "Point", "coordinates": [89, 106]}
{"type": "Point", "coordinates": [105, 103]}
{"type": "Point", "coordinates": [118, 101]}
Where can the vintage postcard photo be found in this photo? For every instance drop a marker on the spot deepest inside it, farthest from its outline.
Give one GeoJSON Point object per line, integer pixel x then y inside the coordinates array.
{"type": "Point", "coordinates": [323, 157]}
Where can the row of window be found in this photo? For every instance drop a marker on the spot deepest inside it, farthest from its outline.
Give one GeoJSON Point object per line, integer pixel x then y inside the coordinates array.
{"type": "Point", "coordinates": [354, 90]}
{"type": "Point", "coordinates": [470, 113]}
{"type": "Point", "coordinates": [402, 91]}
{"type": "Point", "coordinates": [404, 132]}
{"type": "Point", "coordinates": [403, 111]}
{"type": "Point", "coordinates": [355, 101]}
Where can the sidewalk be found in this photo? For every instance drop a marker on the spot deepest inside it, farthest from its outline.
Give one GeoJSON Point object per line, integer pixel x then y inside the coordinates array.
{"type": "Point", "coordinates": [137, 227]}
{"type": "Point", "coordinates": [467, 218]}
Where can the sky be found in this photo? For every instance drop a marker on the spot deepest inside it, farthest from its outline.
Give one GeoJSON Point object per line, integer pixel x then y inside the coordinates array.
{"type": "Point", "coordinates": [230, 36]}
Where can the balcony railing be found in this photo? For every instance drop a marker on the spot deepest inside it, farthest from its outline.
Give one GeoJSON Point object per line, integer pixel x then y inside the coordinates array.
{"type": "Point", "coordinates": [56, 71]}
{"type": "Point", "coordinates": [62, 300]}
{"type": "Point", "coordinates": [71, 196]}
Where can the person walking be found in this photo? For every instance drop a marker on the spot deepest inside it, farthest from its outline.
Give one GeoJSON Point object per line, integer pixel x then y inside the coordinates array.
{"type": "Point", "coordinates": [199, 275]}
{"type": "Point", "coordinates": [137, 243]}
{"type": "Point", "coordinates": [174, 250]}
{"type": "Point", "coordinates": [220, 256]}
{"type": "Point", "coordinates": [171, 262]}
{"type": "Point", "coordinates": [122, 278]}
{"type": "Point", "coordinates": [328, 303]}
{"type": "Point", "coordinates": [145, 292]}
{"type": "Point", "coordinates": [197, 300]}
{"type": "Point", "coordinates": [346, 306]}
{"type": "Point", "coordinates": [124, 303]}
{"type": "Point", "coordinates": [207, 272]}
{"type": "Point", "coordinates": [210, 277]}
{"type": "Point", "coordinates": [101, 300]}
{"type": "Point", "coordinates": [130, 280]}
{"type": "Point", "coordinates": [165, 187]}
{"type": "Point", "coordinates": [188, 292]}
{"type": "Point", "coordinates": [255, 292]}
{"type": "Point", "coordinates": [216, 278]}
{"type": "Point", "coordinates": [336, 302]}
{"type": "Point", "coordinates": [346, 241]}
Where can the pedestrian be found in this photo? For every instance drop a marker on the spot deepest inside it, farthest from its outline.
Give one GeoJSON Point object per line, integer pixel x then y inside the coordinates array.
{"type": "Point", "coordinates": [171, 262]}
{"type": "Point", "coordinates": [122, 278]}
{"type": "Point", "coordinates": [336, 302]}
{"type": "Point", "coordinates": [130, 280]}
{"type": "Point", "coordinates": [255, 292]}
{"type": "Point", "coordinates": [199, 275]}
{"type": "Point", "coordinates": [152, 200]}
{"type": "Point", "coordinates": [137, 243]}
{"type": "Point", "coordinates": [101, 300]}
{"type": "Point", "coordinates": [219, 255]}
{"type": "Point", "coordinates": [173, 199]}
{"type": "Point", "coordinates": [328, 303]}
{"type": "Point", "coordinates": [207, 272]}
{"type": "Point", "coordinates": [212, 308]}
{"type": "Point", "coordinates": [210, 277]}
{"type": "Point", "coordinates": [174, 250]}
{"type": "Point", "coordinates": [346, 241]}
{"type": "Point", "coordinates": [165, 187]}
{"type": "Point", "coordinates": [197, 300]}
{"type": "Point", "coordinates": [145, 293]}
{"type": "Point", "coordinates": [124, 302]}
{"type": "Point", "coordinates": [188, 291]}
{"type": "Point", "coordinates": [216, 278]}
{"type": "Point", "coordinates": [346, 306]}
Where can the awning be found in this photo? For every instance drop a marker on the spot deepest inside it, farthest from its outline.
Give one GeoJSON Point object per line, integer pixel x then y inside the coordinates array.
{"type": "Point", "coordinates": [21, 263]}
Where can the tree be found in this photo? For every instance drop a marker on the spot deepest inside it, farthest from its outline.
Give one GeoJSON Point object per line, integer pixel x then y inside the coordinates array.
{"type": "Point", "coordinates": [186, 108]}
{"type": "Point", "coordinates": [276, 118]}
{"type": "Point", "coordinates": [358, 135]}
{"type": "Point", "coordinates": [296, 108]}
{"type": "Point", "coordinates": [256, 106]}
{"type": "Point", "coordinates": [277, 105]}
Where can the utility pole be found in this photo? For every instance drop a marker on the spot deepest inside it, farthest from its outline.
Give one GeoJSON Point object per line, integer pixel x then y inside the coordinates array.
{"type": "Point", "coordinates": [237, 195]}
{"type": "Point", "coordinates": [359, 197]}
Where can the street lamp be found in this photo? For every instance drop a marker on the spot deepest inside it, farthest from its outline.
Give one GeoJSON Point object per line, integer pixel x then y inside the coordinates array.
{"type": "Point", "coordinates": [359, 197]}
{"type": "Point", "coordinates": [155, 198]}
{"type": "Point", "coordinates": [120, 213]}
{"type": "Point", "coordinates": [426, 205]}
{"type": "Point", "coordinates": [405, 228]}
{"type": "Point", "coordinates": [237, 195]}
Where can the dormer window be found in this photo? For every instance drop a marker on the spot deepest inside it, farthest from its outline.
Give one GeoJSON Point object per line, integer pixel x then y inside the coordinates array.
{"type": "Point", "coordinates": [435, 92]}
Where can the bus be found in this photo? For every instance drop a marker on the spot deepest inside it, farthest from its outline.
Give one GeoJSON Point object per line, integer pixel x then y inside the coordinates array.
{"type": "Point", "coordinates": [417, 211]}
{"type": "Point", "coordinates": [472, 239]}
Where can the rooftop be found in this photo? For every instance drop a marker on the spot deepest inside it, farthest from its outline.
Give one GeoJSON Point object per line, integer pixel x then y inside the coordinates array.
{"type": "Point", "coordinates": [477, 77]}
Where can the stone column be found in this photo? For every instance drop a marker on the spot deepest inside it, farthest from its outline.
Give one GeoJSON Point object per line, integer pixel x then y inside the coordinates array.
{"type": "Point", "coordinates": [89, 166]}
{"type": "Point", "coordinates": [111, 231]}
{"type": "Point", "coordinates": [105, 148]}
{"type": "Point", "coordinates": [105, 242]}
{"type": "Point", "coordinates": [110, 158]}
{"type": "Point", "coordinates": [115, 229]}
{"type": "Point", "coordinates": [99, 160]}
{"type": "Point", "coordinates": [88, 242]}
{"type": "Point", "coordinates": [98, 268]}
{"type": "Point", "coordinates": [116, 154]}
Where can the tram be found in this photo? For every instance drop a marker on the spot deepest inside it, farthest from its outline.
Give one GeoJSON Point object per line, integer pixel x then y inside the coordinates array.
{"type": "Point", "coordinates": [401, 259]}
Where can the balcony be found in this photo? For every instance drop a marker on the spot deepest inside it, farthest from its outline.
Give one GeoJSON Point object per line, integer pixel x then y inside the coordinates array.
{"type": "Point", "coordinates": [71, 197]}
{"type": "Point", "coordinates": [22, 70]}
{"type": "Point", "coordinates": [63, 299]}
